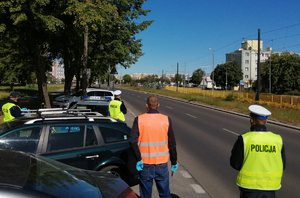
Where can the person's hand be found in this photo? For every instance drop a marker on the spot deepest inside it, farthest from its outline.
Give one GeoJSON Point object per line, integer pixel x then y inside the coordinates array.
{"type": "Point", "coordinates": [24, 109]}
{"type": "Point", "coordinates": [174, 167]}
{"type": "Point", "coordinates": [139, 165]}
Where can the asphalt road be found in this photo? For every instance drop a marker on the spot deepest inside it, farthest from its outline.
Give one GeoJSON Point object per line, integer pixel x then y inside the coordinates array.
{"type": "Point", "coordinates": [204, 140]}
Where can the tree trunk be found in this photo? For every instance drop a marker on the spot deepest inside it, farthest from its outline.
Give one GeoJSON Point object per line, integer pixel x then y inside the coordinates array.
{"type": "Point", "coordinates": [85, 59]}
{"type": "Point", "coordinates": [69, 74]}
{"type": "Point", "coordinates": [42, 82]}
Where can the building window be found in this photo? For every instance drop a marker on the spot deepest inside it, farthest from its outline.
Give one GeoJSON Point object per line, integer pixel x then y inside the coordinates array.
{"type": "Point", "coordinates": [246, 68]}
{"type": "Point", "coordinates": [246, 61]}
{"type": "Point", "coordinates": [246, 76]}
{"type": "Point", "coordinates": [247, 53]}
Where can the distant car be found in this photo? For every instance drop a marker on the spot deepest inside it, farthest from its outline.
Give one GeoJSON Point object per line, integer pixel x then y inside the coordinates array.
{"type": "Point", "coordinates": [65, 101]}
{"type": "Point", "coordinates": [32, 176]}
{"type": "Point", "coordinates": [95, 103]}
{"type": "Point", "coordinates": [80, 139]}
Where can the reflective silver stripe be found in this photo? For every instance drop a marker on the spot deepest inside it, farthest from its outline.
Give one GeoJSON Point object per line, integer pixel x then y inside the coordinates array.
{"type": "Point", "coordinates": [155, 154]}
{"type": "Point", "coordinates": [153, 143]}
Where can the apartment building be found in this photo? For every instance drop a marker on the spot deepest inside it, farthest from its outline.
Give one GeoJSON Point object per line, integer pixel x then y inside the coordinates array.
{"type": "Point", "coordinates": [247, 58]}
{"type": "Point", "coordinates": [58, 71]}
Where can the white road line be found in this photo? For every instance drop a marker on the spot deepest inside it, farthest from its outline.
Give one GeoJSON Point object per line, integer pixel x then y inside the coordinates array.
{"type": "Point", "coordinates": [185, 174]}
{"type": "Point", "coordinates": [132, 112]}
{"type": "Point", "coordinates": [169, 107]}
{"type": "Point", "coordinates": [234, 133]}
{"type": "Point", "coordinates": [197, 188]}
{"type": "Point", "coordinates": [190, 115]}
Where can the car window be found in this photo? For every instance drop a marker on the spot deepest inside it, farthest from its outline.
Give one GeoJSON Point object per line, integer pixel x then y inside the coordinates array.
{"type": "Point", "coordinates": [91, 138]}
{"type": "Point", "coordinates": [25, 139]}
{"type": "Point", "coordinates": [65, 137]}
{"type": "Point", "coordinates": [99, 93]}
{"type": "Point", "coordinates": [112, 134]}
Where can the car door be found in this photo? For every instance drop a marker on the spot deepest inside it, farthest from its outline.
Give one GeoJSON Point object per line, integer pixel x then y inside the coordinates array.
{"type": "Point", "coordinates": [115, 138]}
{"type": "Point", "coordinates": [75, 144]}
{"type": "Point", "coordinates": [26, 139]}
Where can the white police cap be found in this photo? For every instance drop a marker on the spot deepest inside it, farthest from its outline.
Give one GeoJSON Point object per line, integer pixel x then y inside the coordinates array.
{"type": "Point", "coordinates": [117, 92]}
{"type": "Point", "coordinates": [259, 111]}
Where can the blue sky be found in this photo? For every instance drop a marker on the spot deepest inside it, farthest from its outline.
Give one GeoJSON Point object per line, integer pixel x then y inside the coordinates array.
{"type": "Point", "coordinates": [184, 30]}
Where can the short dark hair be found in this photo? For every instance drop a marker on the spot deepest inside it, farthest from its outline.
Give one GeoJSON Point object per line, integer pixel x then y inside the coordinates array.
{"type": "Point", "coordinates": [152, 102]}
{"type": "Point", "coordinates": [14, 94]}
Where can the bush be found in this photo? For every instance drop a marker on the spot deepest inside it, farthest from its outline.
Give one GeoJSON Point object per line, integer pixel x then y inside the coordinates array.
{"type": "Point", "coordinates": [230, 97]}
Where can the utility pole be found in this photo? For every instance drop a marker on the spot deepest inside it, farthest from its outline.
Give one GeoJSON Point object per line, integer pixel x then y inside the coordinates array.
{"type": "Point", "coordinates": [177, 77]}
{"type": "Point", "coordinates": [226, 81]}
{"type": "Point", "coordinates": [213, 67]}
{"type": "Point", "coordinates": [258, 83]}
{"type": "Point", "coordinates": [270, 73]}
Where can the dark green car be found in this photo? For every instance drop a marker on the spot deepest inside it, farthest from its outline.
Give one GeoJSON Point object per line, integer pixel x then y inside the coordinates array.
{"type": "Point", "coordinates": [80, 140]}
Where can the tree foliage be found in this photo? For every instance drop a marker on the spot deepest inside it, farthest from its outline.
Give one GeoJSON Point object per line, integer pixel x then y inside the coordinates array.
{"type": "Point", "coordinates": [285, 72]}
{"type": "Point", "coordinates": [34, 32]}
{"type": "Point", "coordinates": [197, 76]}
{"type": "Point", "coordinates": [230, 71]}
{"type": "Point", "coordinates": [127, 79]}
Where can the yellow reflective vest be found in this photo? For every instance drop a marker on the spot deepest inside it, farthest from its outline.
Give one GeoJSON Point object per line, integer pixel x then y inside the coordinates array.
{"type": "Point", "coordinates": [115, 110]}
{"type": "Point", "coordinates": [262, 167]}
{"type": "Point", "coordinates": [153, 138]}
{"type": "Point", "coordinates": [6, 112]}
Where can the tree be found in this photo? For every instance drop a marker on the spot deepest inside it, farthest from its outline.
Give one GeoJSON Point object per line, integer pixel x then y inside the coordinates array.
{"type": "Point", "coordinates": [197, 76]}
{"type": "Point", "coordinates": [285, 72]}
{"type": "Point", "coordinates": [228, 74]}
{"type": "Point", "coordinates": [31, 24]}
{"type": "Point", "coordinates": [127, 78]}
{"type": "Point", "coordinates": [90, 34]}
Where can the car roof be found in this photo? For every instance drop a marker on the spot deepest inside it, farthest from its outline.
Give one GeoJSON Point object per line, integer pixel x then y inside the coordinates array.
{"type": "Point", "coordinates": [33, 172]}
{"type": "Point", "coordinates": [98, 89]}
{"type": "Point", "coordinates": [58, 115]}
{"type": "Point", "coordinates": [13, 173]}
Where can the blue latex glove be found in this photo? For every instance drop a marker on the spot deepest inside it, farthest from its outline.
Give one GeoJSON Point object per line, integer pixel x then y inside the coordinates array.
{"type": "Point", "coordinates": [139, 165]}
{"type": "Point", "coordinates": [24, 109]}
{"type": "Point", "coordinates": [175, 167]}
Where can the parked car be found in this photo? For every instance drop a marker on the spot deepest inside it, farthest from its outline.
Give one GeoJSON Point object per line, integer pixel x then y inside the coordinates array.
{"type": "Point", "coordinates": [65, 101]}
{"type": "Point", "coordinates": [95, 103]}
{"type": "Point", "coordinates": [26, 175]}
{"type": "Point", "coordinates": [80, 139]}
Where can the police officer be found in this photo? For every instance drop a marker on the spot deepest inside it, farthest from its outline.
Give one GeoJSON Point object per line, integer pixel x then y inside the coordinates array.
{"type": "Point", "coordinates": [10, 109]}
{"type": "Point", "coordinates": [116, 107]}
{"type": "Point", "coordinates": [153, 142]}
{"type": "Point", "coordinates": [259, 156]}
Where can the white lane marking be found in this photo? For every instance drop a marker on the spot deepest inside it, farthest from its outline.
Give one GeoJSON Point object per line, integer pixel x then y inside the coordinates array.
{"type": "Point", "coordinates": [132, 113]}
{"type": "Point", "coordinates": [197, 188]}
{"type": "Point", "coordinates": [190, 115]}
{"type": "Point", "coordinates": [185, 174]}
{"type": "Point", "coordinates": [234, 133]}
{"type": "Point", "coordinates": [169, 107]}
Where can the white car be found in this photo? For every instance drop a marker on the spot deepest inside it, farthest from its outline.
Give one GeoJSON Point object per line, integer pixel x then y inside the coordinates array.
{"type": "Point", "coordinates": [65, 101]}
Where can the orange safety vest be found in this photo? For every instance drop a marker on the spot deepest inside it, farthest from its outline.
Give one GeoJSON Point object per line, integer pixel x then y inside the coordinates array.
{"type": "Point", "coordinates": [153, 138]}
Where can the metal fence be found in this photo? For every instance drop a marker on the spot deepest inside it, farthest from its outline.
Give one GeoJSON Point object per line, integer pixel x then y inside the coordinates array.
{"type": "Point", "coordinates": [271, 99]}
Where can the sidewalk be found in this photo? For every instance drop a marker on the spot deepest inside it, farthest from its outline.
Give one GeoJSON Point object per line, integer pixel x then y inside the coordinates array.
{"type": "Point", "coordinates": [182, 184]}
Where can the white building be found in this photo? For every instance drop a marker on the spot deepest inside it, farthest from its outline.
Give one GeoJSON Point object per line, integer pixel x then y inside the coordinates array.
{"type": "Point", "coordinates": [58, 71]}
{"type": "Point", "coordinates": [246, 57]}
